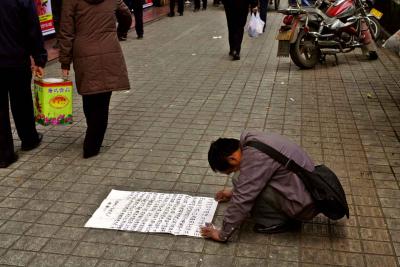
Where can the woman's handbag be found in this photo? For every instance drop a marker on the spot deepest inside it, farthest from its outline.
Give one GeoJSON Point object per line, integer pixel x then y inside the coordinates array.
{"type": "Point", "coordinates": [322, 184]}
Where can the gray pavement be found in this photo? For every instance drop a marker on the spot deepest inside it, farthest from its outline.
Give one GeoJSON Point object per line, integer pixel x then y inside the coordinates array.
{"type": "Point", "coordinates": [185, 93]}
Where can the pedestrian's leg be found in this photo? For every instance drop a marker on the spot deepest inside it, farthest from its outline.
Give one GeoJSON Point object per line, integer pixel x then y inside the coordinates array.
{"type": "Point", "coordinates": [138, 13]}
{"type": "Point", "coordinates": [239, 23]}
{"type": "Point", "coordinates": [22, 108]}
{"type": "Point", "coordinates": [204, 4]}
{"type": "Point", "coordinates": [6, 140]}
{"type": "Point", "coordinates": [196, 5]}
{"type": "Point", "coordinates": [230, 22]}
{"type": "Point", "coordinates": [268, 215]}
{"type": "Point", "coordinates": [171, 8]}
{"type": "Point", "coordinates": [181, 6]}
{"type": "Point", "coordinates": [95, 108]}
{"type": "Point", "coordinates": [263, 11]}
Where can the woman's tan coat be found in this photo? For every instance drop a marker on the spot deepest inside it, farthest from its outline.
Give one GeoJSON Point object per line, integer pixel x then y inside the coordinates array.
{"type": "Point", "coordinates": [88, 39]}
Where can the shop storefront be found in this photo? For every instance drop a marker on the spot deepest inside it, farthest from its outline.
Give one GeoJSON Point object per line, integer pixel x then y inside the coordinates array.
{"type": "Point", "coordinates": [45, 14]}
{"type": "Point", "coordinates": [43, 8]}
{"type": "Point", "coordinates": [148, 3]}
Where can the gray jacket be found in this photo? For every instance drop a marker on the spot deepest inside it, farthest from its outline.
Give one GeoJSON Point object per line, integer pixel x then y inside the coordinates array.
{"type": "Point", "coordinates": [258, 170]}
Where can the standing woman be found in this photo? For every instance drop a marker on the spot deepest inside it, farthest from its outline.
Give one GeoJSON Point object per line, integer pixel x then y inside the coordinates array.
{"type": "Point", "coordinates": [88, 39]}
{"type": "Point", "coordinates": [236, 12]}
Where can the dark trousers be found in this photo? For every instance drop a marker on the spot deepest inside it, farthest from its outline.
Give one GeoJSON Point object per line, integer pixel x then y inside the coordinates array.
{"type": "Point", "coordinates": [16, 88]}
{"type": "Point", "coordinates": [263, 10]}
{"type": "Point", "coordinates": [236, 16]}
{"type": "Point", "coordinates": [95, 108]}
{"type": "Point", "coordinates": [137, 6]}
{"type": "Point", "coordinates": [267, 210]}
{"type": "Point", "coordinates": [172, 6]}
{"type": "Point", "coordinates": [197, 4]}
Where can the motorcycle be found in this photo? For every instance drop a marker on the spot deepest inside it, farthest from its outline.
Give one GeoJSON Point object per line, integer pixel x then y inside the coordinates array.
{"type": "Point", "coordinates": [309, 34]}
{"type": "Point", "coordinates": [328, 7]}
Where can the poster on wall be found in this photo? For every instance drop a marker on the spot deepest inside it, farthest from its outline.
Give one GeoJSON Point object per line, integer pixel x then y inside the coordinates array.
{"type": "Point", "coordinates": [177, 214]}
{"type": "Point", "coordinates": [43, 8]}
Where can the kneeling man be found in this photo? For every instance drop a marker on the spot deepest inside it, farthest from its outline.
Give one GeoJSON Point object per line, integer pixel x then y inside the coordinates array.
{"type": "Point", "coordinates": [275, 197]}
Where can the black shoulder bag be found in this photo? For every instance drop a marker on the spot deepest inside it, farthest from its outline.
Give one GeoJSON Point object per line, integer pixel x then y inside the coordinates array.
{"type": "Point", "coordinates": [322, 183]}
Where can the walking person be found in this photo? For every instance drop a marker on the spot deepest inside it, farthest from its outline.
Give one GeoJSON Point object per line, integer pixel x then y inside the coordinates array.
{"type": "Point", "coordinates": [236, 16]}
{"type": "Point", "coordinates": [276, 198]}
{"type": "Point", "coordinates": [88, 39]}
{"type": "Point", "coordinates": [20, 38]}
{"type": "Point", "coordinates": [181, 6]}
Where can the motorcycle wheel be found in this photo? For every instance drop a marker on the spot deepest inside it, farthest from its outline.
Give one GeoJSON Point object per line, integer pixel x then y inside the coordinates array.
{"type": "Point", "coordinates": [277, 2]}
{"type": "Point", "coordinates": [304, 52]}
{"type": "Point", "coordinates": [375, 27]}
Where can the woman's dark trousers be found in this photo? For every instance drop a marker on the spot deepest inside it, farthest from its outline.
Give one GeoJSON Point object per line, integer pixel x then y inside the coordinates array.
{"type": "Point", "coordinates": [16, 86]}
{"type": "Point", "coordinates": [95, 108]}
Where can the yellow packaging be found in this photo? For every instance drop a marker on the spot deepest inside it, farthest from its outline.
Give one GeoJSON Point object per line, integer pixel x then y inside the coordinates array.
{"type": "Point", "coordinates": [53, 101]}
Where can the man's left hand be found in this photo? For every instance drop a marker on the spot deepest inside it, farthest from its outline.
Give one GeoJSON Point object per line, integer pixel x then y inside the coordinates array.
{"type": "Point", "coordinates": [210, 232]}
{"type": "Point", "coordinates": [38, 71]}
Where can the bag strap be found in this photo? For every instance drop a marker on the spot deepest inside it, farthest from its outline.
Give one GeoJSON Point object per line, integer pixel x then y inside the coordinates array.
{"type": "Point", "coordinates": [289, 164]}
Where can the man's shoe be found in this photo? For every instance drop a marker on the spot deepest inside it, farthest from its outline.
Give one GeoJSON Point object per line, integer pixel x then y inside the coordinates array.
{"type": "Point", "coordinates": [122, 38]}
{"type": "Point", "coordinates": [181, 14]}
{"type": "Point", "coordinates": [235, 56]}
{"type": "Point", "coordinates": [139, 37]}
{"type": "Point", "coordinates": [33, 145]}
{"type": "Point", "coordinates": [170, 14]}
{"type": "Point", "coordinates": [280, 228]}
{"type": "Point", "coordinates": [91, 153]}
{"type": "Point", "coordinates": [6, 163]}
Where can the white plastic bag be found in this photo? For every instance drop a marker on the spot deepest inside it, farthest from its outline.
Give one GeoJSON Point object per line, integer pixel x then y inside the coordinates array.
{"type": "Point", "coordinates": [393, 43]}
{"type": "Point", "coordinates": [256, 25]}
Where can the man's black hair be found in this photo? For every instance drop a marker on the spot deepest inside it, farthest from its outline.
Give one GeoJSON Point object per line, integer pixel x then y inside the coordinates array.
{"type": "Point", "coordinates": [219, 151]}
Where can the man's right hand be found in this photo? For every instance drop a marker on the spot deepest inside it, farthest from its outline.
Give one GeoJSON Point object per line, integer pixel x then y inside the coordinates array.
{"type": "Point", "coordinates": [223, 195]}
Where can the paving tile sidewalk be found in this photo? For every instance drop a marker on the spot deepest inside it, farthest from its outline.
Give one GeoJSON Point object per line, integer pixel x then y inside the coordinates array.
{"type": "Point", "coordinates": [185, 93]}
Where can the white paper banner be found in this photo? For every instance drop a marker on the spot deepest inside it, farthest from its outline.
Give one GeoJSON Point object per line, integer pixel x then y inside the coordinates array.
{"type": "Point", "coordinates": [176, 214]}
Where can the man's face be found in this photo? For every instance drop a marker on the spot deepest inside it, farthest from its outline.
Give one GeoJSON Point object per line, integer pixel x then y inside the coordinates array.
{"type": "Point", "coordinates": [234, 162]}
